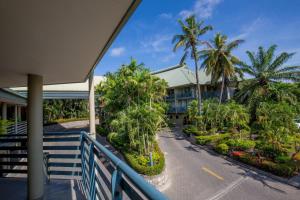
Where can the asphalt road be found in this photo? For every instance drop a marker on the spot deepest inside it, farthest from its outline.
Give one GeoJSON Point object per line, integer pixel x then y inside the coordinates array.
{"type": "Point", "coordinates": [197, 174]}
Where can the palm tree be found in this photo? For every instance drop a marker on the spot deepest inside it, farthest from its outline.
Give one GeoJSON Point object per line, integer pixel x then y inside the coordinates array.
{"type": "Point", "coordinates": [263, 70]}
{"type": "Point", "coordinates": [219, 61]}
{"type": "Point", "coordinates": [189, 39]}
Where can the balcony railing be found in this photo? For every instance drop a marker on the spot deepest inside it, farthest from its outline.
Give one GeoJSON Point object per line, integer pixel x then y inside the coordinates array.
{"type": "Point", "coordinates": [170, 97]}
{"type": "Point", "coordinates": [105, 176]}
{"type": "Point", "coordinates": [185, 95]}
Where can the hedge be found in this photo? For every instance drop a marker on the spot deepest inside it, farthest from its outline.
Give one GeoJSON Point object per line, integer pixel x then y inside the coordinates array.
{"type": "Point", "coordinates": [202, 140]}
{"type": "Point", "coordinates": [146, 170]}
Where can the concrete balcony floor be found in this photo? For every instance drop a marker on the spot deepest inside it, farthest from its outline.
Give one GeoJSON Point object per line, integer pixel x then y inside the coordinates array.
{"type": "Point", "coordinates": [16, 189]}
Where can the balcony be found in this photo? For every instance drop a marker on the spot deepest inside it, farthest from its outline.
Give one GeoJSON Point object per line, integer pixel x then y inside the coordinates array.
{"type": "Point", "coordinates": [170, 97]}
{"type": "Point", "coordinates": [75, 165]}
{"type": "Point", "coordinates": [185, 95]}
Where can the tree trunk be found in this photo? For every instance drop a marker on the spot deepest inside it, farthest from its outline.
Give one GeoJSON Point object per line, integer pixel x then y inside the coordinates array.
{"type": "Point", "coordinates": [222, 87]}
{"type": "Point", "coordinates": [228, 93]}
{"type": "Point", "coordinates": [197, 82]}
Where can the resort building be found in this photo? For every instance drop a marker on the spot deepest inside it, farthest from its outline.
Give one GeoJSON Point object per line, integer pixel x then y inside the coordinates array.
{"type": "Point", "coordinates": [182, 90]}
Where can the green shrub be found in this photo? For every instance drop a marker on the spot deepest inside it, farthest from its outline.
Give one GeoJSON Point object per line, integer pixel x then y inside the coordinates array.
{"type": "Point", "coordinates": [212, 139]}
{"type": "Point", "coordinates": [116, 140]}
{"type": "Point", "coordinates": [101, 131]}
{"type": "Point", "coordinates": [269, 151]}
{"type": "Point", "coordinates": [282, 159]}
{"type": "Point", "coordinates": [280, 169]}
{"type": "Point", "coordinates": [241, 144]}
{"type": "Point", "coordinates": [141, 163]}
{"type": "Point", "coordinates": [222, 148]}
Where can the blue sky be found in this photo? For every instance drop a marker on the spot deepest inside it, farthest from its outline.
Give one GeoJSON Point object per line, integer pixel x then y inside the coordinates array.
{"type": "Point", "coordinates": [148, 34]}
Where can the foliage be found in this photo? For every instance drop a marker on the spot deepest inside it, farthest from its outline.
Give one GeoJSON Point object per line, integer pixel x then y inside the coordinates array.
{"type": "Point", "coordinates": [283, 159]}
{"type": "Point", "coordinates": [141, 163]}
{"type": "Point", "coordinates": [3, 125]}
{"type": "Point", "coordinates": [211, 139]}
{"type": "Point", "coordinates": [265, 69]}
{"type": "Point", "coordinates": [55, 109]}
{"type": "Point", "coordinates": [240, 144]}
{"type": "Point", "coordinates": [189, 40]}
{"type": "Point", "coordinates": [101, 130]}
{"type": "Point", "coordinates": [222, 148]}
{"type": "Point", "coordinates": [134, 106]}
{"type": "Point", "coordinates": [275, 129]}
{"type": "Point", "coordinates": [191, 129]}
{"type": "Point", "coordinates": [219, 61]}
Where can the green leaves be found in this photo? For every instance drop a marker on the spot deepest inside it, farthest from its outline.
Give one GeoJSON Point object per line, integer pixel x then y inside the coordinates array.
{"type": "Point", "coordinates": [134, 105]}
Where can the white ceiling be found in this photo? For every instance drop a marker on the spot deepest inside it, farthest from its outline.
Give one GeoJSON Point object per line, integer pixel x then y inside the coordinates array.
{"type": "Point", "coordinates": [60, 40]}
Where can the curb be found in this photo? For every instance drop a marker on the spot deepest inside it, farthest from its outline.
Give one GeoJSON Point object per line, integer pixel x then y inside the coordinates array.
{"type": "Point", "coordinates": [247, 167]}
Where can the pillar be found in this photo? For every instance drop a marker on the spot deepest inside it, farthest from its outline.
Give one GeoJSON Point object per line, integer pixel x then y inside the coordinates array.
{"type": "Point", "coordinates": [19, 113]}
{"type": "Point", "coordinates": [4, 111]}
{"type": "Point", "coordinates": [92, 105]}
{"type": "Point", "coordinates": [35, 138]}
{"type": "Point", "coordinates": [16, 119]}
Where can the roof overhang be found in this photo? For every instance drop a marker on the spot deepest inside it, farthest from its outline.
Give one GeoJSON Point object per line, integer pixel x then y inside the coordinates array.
{"type": "Point", "coordinates": [12, 97]}
{"type": "Point", "coordinates": [60, 40]}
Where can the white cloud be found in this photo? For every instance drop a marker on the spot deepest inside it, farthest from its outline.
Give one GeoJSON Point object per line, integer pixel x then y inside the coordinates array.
{"type": "Point", "coordinates": [166, 16]}
{"type": "Point", "coordinates": [158, 43]}
{"type": "Point", "coordinates": [249, 29]}
{"type": "Point", "coordinates": [117, 51]}
{"type": "Point", "coordinates": [168, 57]}
{"type": "Point", "coordinates": [202, 9]}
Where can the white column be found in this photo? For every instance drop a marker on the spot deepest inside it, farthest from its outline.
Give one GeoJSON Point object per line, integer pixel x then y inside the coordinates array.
{"type": "Point", "coordinates": [35, 179]}
{"type": "Point", "coordinates": [92, 105]}
{"type": "Point", "coordinates": [4, 111]}
{"type": "Point", "coordinates": [16, 119]}
{"type": "Point", "coordinates": [19, 113]}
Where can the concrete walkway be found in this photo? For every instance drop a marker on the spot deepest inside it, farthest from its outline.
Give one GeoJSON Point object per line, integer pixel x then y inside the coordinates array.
{"type": "Point", "coordinates": [197, 174]}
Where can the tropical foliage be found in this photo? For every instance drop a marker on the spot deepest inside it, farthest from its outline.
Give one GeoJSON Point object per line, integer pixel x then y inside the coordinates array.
{"type": "Point", "coordinates": [189, 39]}
{"type": "Point", "coordinates": [58, 109]}
{"type": "Point", "coordinates": [219, 62]}
{"type": "Point", "coordinates": [134, 111]}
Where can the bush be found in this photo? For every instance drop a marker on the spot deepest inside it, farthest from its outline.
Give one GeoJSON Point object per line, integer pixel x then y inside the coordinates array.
{"type": "Point", "coordinates": [140, 163]}
{"type": "Point", "coordinates": [269, 151]}
{"type": "Point", "coordinates": [212, 139]}
{"type": "Point", "coordinates": [101, 130]}
{"type": "Point", "coordinates": [282, 159]}
{"type": "Point", "coordinates": [280, 169]}
{"type": "Point", "coordinates": [222, 148]}
{"type": "Point", "coordinates": [191, 129]}
{"type": "Point", "coordinates": [241, 144]}
{"type": "Point", "coordinates": [116, 140]}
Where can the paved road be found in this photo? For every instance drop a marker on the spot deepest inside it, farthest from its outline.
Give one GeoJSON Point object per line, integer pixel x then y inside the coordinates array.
{"type": "Point", "coordinates": [197, 174]}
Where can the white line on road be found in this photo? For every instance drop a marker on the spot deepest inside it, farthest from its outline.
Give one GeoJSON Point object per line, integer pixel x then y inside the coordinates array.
{"type": "Point", "coordinates": [229, 188]}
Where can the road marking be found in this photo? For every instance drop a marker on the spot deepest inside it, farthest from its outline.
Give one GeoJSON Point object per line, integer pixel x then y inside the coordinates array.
{"type": "Point", "coordinates": [229, 188]}
{"type": "Point", "coordinates": [212, 173]}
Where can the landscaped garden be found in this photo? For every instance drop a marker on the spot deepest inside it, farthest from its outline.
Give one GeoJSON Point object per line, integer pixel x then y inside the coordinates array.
{"type": "Point", "coordinates": [133, 111]}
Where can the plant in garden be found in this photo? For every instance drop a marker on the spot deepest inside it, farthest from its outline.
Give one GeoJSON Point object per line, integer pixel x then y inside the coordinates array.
{"type": "Point", "coordinates": [134, 106]}
{"type": "Point", "coordinates": [277, 122]}
{"type": "Point", "coordinates": [189, 40]}
{"type": "Point", "coordinates": [219, 62]}
{"type": "Point", "coordinates": [264, 69]}
{"type": "Point", "coordinates": [3, 125]}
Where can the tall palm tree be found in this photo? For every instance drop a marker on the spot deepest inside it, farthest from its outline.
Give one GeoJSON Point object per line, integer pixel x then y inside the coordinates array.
{"type": "Point", "coordinates": [189, 39]}
{"type": "Point", "coordinates": [263, 70]}
{"type": "Point", "coordinates": [219, 61]}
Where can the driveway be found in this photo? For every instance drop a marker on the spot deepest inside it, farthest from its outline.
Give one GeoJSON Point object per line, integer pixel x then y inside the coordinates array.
{"type": "Point", "coordinates": [197, 174]}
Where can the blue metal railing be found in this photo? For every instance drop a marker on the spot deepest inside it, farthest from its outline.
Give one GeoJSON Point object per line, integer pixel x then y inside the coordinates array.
{"type": "Point", "coordinates": [105, 176]}
{"type": "Point", "coordinates": [185, 95]}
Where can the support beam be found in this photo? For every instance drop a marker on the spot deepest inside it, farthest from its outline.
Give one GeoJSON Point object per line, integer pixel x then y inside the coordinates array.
{"type": "Point", "coordinates": [16, 119]}
{"type": "Point", "coordinates": [4, 111]}
{"type": "Point", "coordinates": [35, 138]}
{"type": "Point", "coordinates": [92, 105]}
{"type": "Point", "coordinates": [19, 113]}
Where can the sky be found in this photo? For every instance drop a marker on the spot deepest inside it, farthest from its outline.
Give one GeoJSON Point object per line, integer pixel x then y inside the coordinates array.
{"type": "Point", "coordinates": [147, 36]}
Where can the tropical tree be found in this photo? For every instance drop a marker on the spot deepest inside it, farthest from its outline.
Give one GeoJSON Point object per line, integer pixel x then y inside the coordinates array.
{"type": "Point", "coordinates": [189, 40]}
{"type": "Point", "coordinates": [264, 69]}
{"type": "Point", "coordinates": [134, 106]}
{"type": "Point", "coordinates": [219, 61]}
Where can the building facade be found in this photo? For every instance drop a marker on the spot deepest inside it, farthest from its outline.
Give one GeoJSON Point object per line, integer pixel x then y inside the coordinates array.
{"type": "Point", "coordinates": [182, 90]}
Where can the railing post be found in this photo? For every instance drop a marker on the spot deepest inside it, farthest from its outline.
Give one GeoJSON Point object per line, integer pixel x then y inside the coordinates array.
{"type": "Point", "coordinates": [92, 172]}
{"type": "Point", "coordinates": [82, 160]}
{"type": "Point", "coordinates": [116, 190]}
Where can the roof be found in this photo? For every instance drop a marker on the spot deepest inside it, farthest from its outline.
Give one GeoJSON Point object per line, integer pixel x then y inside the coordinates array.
{"type": "Point", "coordinates": [10, 96]}
{"type": "Point", "coordinates": [181, 75]}
{"type": "Point", "coordinates": [62, 40]}
{"type": "Point", "coordinates": [69, 87]}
